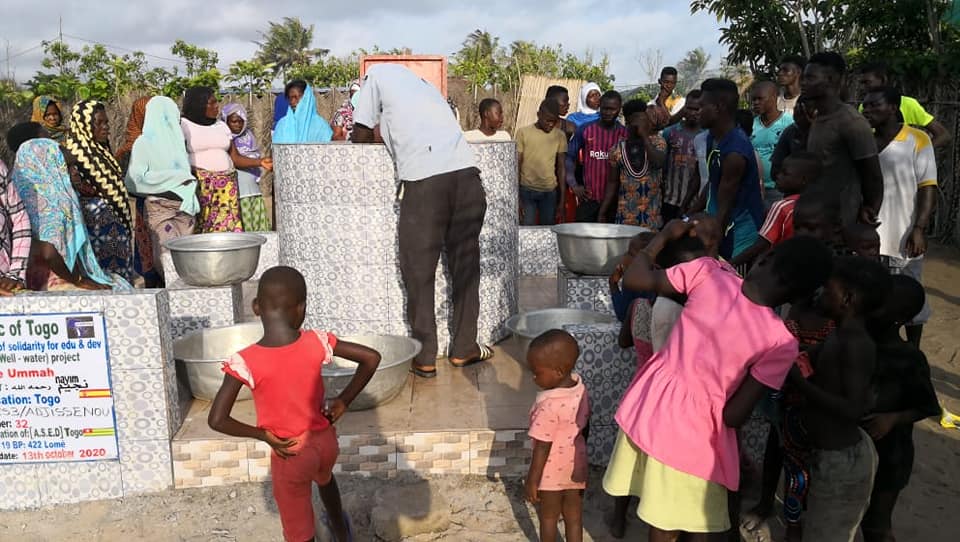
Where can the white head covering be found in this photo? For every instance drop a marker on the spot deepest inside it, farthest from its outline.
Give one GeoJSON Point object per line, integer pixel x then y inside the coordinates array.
{"type": "Point", "coordinates": [584, 91]}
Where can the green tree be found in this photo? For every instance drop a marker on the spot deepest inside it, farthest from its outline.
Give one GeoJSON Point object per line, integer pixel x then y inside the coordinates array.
{"type": "Point", "coordinates": [912, 35]}
{"type": "Point", "coordinates": [288, 44]}
{"type": "Point", "coordinates": [62, 79]}
{"type": "Point", "coordinates": [487, 64]}
{"type": "Point", "coordinates": [691, 69]}
{"type": "Point", "coordinates": [477, 60]}
{"type": "Point", "coordinates": [757, 32]}
{"type": "Point", "coordinates": [201, 69]}
{"type": "Point", "coordinates": [330, 71]}
{"type": "Point", "coordinates": [107, 75]}
{"type": "Point", "coordinates": [587, 69]}
{"type": "Point", "coordinates": [251, 77]}
{"type": "Point", "coordinates": [12, 95]}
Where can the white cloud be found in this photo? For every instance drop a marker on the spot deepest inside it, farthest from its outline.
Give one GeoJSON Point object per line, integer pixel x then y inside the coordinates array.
{"type": "Point", "coordinates": [620, 28]}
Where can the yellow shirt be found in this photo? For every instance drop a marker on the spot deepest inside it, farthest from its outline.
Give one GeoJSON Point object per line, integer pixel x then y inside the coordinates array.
{"type": "Point", "coordinates": [539, 150]}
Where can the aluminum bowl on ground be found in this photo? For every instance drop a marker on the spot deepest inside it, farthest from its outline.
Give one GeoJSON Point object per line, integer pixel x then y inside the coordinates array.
{"type": "Point", "coordinates": [216, 259]}
{"type": "Point", "coordinates": [593, 249]}
{"type": "Point", "coordinates": [200, 354]}
{"type": "Point", "coordinates": [528, 325]}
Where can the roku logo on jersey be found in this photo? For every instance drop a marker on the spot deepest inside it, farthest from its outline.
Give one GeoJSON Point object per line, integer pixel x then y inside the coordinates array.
{"type": "Point", "coordinates": [599, 155]}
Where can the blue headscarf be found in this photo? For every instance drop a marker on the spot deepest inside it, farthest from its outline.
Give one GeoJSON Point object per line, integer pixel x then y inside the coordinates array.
{"type": "Point", "coordinates": [303, 124]}
{"type": "Point", "coordinates": [280, 108]}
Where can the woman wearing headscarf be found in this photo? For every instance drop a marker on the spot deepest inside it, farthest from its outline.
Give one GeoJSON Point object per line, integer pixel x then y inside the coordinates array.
{"type": "Point", "coordinates": [143, 257]}
{"type": "Point", "coordinates": [103, 196]}
{"type": "Point", "coordinates": [14, 236]}
{"type": "Point", "coordinates": [253, 212]}
{"type": "Point", "coordinates": [301, 124]}
{"type": "Point", "coordinates": [214, 159]}
{"type": "Point", "coordinates": [61, 255]}
{"type": "Point", "coordinates": [46, 112]}
{"type": "Point", "coordinates": [280, 108]}
{"type": "Point", "coordinates": [159, 173]}
{"type": "Point", "coordinates": [342, 121]}
{"type": "Point", "coordinates": [589, 105]}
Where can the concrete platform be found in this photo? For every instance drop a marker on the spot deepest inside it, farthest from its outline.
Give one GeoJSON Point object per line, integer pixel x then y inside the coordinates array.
{"type": "Point", "coordinates": [465, 421]}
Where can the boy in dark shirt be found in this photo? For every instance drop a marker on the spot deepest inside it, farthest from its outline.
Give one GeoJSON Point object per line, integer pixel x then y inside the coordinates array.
{"type": "Point", "coordinates": [904, 396]}
{"type": "Point", "coordinates": [838, 396]}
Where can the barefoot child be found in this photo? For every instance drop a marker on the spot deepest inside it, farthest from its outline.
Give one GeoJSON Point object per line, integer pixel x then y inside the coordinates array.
{"type": "Point", "coordinates": [837, 397]}
{"type": "Point", "coordinates": [677, 449]}
{"type": "Point", "coordinates": [283, 370]}
{"type": "Point", "coordinates": [905, 396]}
{"type": "Point", "coordinates": [558, 470]}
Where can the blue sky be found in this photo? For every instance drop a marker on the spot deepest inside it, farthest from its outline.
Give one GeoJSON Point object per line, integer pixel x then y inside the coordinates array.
{"type": "Point", "coordinates": [623, 29]}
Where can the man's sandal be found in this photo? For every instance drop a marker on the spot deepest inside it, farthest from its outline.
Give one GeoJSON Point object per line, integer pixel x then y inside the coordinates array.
{"type": "Point", "coordinates": [424, 371]}
{"type": "Point", "coordinates": [485, 354]}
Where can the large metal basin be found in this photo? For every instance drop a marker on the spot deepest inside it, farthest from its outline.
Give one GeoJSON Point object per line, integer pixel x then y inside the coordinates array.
{"type": "Point", "coordinates": [528, 325]}
{"type": "Point", "coordinates": [396, 352]}
{"type": "Point", "coordinates": [593, 249]}
{"type": "Point", "coordinates": [200, 354]}
{"type": "Point", "coordinates": [216, 259]}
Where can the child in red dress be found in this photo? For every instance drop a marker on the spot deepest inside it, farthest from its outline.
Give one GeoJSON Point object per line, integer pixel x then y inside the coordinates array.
{"type": "Point", "coordinates": [284, 372]}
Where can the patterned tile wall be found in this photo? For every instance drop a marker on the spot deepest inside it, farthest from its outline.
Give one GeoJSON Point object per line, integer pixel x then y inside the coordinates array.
{"type": "Point", "coordinates": [269, 257]}
{"type": "Point", "coordinates": [145, 403]}
{"type": "Point", "coordinates": [538, 251]}
{"type": "Point", "coordinates": [586, 292]}
{"type": "Point", "coordinates": [498, 454]}
{"type": "Point", "coordinates": [503, 453]}
{"type": "Point", "coordinates": [337, 223]}
{"type": "Point", "coordinates": [193, 309]}
{"type": "Point", "coordinates": [217, 462]}
{"type": "Point", "coordinates": [606, 370]}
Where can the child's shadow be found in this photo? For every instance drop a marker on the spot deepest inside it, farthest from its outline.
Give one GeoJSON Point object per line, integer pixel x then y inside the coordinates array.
{"type": "Point", "coordinates": [367, 502]}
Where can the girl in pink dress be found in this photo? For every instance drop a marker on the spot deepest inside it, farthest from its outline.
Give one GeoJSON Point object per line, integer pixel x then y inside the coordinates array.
{"type": "Point", "coordinates": [677, 449]}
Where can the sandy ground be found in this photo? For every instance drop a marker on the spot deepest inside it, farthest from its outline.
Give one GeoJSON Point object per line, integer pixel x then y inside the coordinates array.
{"type": "Point", "coordinates": [489, 510]}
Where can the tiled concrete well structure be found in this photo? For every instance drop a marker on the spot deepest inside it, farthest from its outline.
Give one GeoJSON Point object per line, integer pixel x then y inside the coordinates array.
{"type": "Point", "coordinates": [337, 223]}
{"type": "Point", "coordinates": [587, 292]}
{"type": "Point", "coordinates": [145, 401]}
{"type": "Point", "coordinates": [539, 256]}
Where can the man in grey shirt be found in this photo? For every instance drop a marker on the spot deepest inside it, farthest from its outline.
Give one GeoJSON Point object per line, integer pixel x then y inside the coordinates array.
{"type": "Point", "coordinates": [844, 141]}
{"type": "Point", "coordinates": [442, 204]}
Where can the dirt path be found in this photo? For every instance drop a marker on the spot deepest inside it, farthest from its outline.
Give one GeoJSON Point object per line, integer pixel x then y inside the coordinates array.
{"type": "Point", "coordinates": [485, 510]}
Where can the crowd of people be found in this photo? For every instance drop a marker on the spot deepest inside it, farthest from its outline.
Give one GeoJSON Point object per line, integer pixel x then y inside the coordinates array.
{"type": "Point", "coordinates": [81, 215]}
{"type": "Point", "coordinates": [800, 227]}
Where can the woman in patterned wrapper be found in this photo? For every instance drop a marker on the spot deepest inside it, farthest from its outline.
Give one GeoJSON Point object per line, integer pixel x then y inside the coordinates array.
{"type": "Point", "coordinates": [61, 255]}
{"type": "Point", "coordinates": [214, 159]}
{"type": "Point", "coordinates": [99, 183]}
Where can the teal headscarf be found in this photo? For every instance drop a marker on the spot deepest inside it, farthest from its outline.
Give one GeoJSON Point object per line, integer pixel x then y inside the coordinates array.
{"type": "Point", "coordinates": [41, 178]}
{"type": "Point", "coordinates": [303, 124]}
{"type": "Point", "coordinates": [158, 161]}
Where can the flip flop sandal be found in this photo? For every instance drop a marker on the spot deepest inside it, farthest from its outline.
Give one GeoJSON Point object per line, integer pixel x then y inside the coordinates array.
{"type": "Point", "coordinates": [949, 420]}
{"type": "Point", "coordinates": [753, 529]}
{"type": "Point", "coordinates": [423, 371]}
{"type": "Point", "coordinates": [325, 519]}
{"type": "Point", "coordinates": [486, 353]}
